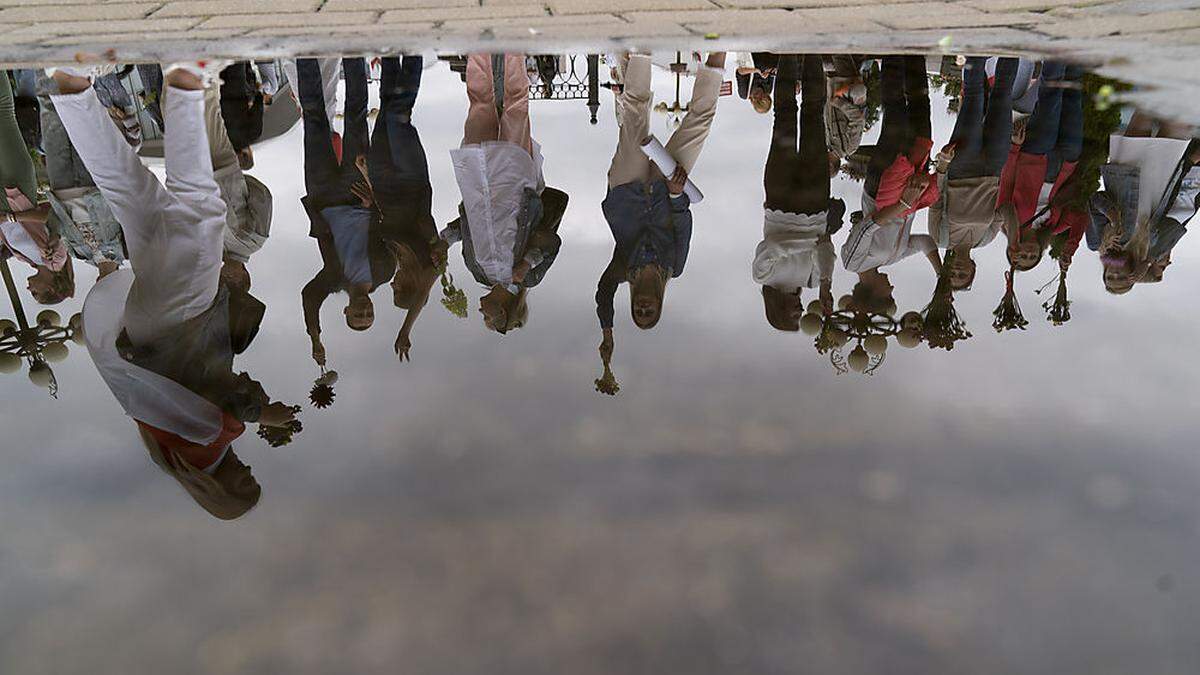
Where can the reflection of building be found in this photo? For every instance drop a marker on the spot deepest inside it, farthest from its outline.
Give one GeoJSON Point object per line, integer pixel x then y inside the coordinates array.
{"type": "Point", "coordinates": [37, 345]}
{"type": "Point", "coordinates": [571, 77]}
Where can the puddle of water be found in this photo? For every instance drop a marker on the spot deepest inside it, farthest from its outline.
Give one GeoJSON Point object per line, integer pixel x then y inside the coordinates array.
{"type": "Point", "coordinates": [912, 332]}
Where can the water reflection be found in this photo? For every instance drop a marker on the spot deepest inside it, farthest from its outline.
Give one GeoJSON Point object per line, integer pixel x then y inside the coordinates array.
{"type": "Point", "coordinates": [904, 201]}
{"type": "Point", "coordinates": [1038, 158]}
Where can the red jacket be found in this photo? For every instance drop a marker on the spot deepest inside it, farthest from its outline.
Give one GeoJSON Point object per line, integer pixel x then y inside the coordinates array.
{"type": "Point", "coordinates": [895, 177]}
{"type": "Point", "coordinates": [200, 457]}
{"type": "Point", "coordinates": [1021, 184]}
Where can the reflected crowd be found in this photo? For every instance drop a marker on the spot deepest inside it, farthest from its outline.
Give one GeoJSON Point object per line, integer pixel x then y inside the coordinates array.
{"type": "Point", "coordinates": [1040, 160]}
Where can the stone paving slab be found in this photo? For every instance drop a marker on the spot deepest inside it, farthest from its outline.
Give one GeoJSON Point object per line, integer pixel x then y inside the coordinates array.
{"type": "Point", "coordinates": [1122, 36]}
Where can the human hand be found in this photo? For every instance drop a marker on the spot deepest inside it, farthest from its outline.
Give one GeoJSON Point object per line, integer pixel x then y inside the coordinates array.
{"type": "Point", "coordinates": [677, 181]}
{"type": "Point", "coordinates": [403, 345]}
{"type": "Point", "coordinates": [277, 414]}
{"type": "Point", "coordinates": [318, 351]}
{"type": "Point", "coordinates": [520, 270]}
{"type": "Point", "coordinates": [606, 346]}
{"type": "Point", "coordinates": [914, 188]}
{"type": "Point", "coordinates": [107, 267]}
{"type": "Point", "coordinates": [438, 253]}
{"type": "Point", "coordinates": [363, 192]}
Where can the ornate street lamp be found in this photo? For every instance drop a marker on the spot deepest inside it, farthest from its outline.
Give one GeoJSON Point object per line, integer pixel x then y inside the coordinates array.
{"type": "Point", "coordinates": [675, 111]}
{"type": "Point", "coordinates": [868, 330]}
{"type": "Point", "coordinates": [37, 345]}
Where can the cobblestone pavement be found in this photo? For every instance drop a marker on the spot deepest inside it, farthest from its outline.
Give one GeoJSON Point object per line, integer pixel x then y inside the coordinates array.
{"type": "Point", "coordinates": [1153, 42]}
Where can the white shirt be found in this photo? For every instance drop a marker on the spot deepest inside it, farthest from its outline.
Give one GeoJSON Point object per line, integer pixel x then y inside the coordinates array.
{"type": "Point", "coordinates": [1156, 159]}
{"type": "Point", "coordinates": [146, 396]}
{"type": "Point", "coordinates": [872, 244]}
{"type": "Point", "coordinates": [493, 177]}
{"type": "Point", "coordinates": [789, 256]}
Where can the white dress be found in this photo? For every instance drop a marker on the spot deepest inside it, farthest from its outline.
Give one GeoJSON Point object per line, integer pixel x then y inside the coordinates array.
{"type": "Point", "coordinates": [492, 178]}
{"type": "Point", "coordinates": [790, 256]}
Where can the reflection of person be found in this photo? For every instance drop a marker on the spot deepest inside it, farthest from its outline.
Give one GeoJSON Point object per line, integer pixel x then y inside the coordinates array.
{"type": "Point", "coordinates": [344, 218]}
{"type": "Point", "coordinates": [508, 219]}
{"type": "Point", "coordinates": [163, 335]}
{"type": "Point", "coordinates": [399, 175]}
{"type": "Point", "coordinates": [1039, 179]}
{"type": "Point", "coordinates": [647, 212]}
{"type": "Point", "coordinates": [796, 251]}
{"type": "Point", "coordinates": [845, 108]}
{"type": "Point", "coordinates": [756, 78]}
{"type": "Point", "coordinates": [966, 215]}
{"type": "Point", "coordinates": [1174, 226]}
{"type": "Point", "coordinates": [242, 108]}
{"type": "Point", "coordinates": [80, 215]}
{"type": "Point", "coordinates": [23, 230]}
{"type": "Point", "coordinates": [897, 183]}
{"type": "Point", "coordinates": [1143, 180]}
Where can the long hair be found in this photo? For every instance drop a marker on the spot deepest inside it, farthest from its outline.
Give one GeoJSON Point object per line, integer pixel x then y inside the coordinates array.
{"type": "Point", "coordinates": [408, 285]}
{"type": "Point", "coordinates": [1132, 254]}
{"type": "Point", "coordinates": [205, 490]}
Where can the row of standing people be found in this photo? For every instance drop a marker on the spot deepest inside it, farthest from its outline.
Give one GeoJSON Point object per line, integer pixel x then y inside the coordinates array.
{"type": "Point", "coordinates": [994, 176]}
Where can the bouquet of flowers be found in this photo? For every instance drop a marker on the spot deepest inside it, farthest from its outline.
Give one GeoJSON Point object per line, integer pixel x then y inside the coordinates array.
{"type": "Point", "coordinates": [607, 384]}
{"type": "Point", "coordinates": [322, 394]}
{"type": "Point", "coordinates": [453, 298]}
{"type": "Point", "coordinates": [1008, 313]}
{"type": "Point", "coordinates": [1058, 310]}
{"type": "Point", "coordinates": [942, 325]}
{"type": "Point", "coordinates": [277, 437]}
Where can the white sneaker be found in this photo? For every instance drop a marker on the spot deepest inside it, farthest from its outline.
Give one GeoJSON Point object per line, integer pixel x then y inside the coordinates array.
{"type": "Point", "coordinates": [208, 71]}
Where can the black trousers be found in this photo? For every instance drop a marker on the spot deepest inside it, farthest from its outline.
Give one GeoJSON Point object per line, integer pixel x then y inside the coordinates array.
{"type": "Point", "coordinates": [796, 178]}
{"type": "Point", "coordinates": [904, 87]}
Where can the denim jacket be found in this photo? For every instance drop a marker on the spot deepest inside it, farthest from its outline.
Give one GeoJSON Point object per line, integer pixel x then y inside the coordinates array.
{"type": "Point", "coordinates": [96, 241]}
{"type": "Point", "coordinates": [648, 225]}
{"type": "Point", "coordinates": [1122, 183]}
{"type": "Point", "coordinates": [640, 213]}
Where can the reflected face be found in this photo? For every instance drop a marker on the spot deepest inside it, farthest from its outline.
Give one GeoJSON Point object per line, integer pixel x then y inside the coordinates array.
{"type": "Point", "coordinates": [646, 310]}
{"type": "Point", "coordinates": [494, 308]}
{"type": "Point", "coordinates": [47, 287]}
{"type": "Point", "coordinates": [1026, 255]}
{"type": "Point", "coordinates": [961, 273]}
{"type": "Point", "coordinates": [360, 313]}
{"type": "Point", "coordinates": [1118, 278]}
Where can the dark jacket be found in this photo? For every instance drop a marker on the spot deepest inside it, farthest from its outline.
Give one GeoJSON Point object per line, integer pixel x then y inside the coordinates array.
{"type": "Point", "coordinates": [198, 354]}
{"type": "Point", "coordinates": [643, 218]}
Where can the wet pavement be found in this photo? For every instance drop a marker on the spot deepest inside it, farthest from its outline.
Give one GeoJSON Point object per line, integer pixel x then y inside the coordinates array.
{"type": "Point", "coordinates": [913, 395]}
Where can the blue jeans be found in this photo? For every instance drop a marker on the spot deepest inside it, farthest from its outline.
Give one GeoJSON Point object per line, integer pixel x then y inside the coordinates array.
{"type": "Point", "coordinates": [397, 158]}
{"type": "Point", "coordinates": [327, 181]}
{"type": "Point", "coordinates": [1056, 126]}
{"type": "Point", "coordinates": [983, 131]}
